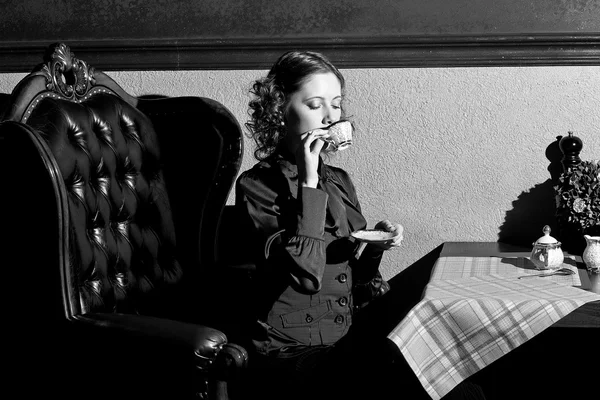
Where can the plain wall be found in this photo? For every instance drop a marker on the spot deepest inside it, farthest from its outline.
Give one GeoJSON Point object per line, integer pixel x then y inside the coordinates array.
{"type": "Point", "coordinates": [453, 154]}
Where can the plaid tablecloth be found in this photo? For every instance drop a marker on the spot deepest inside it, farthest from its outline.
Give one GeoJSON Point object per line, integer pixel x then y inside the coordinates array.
{"type": "Point", "coordinates": [464, 267]}
{"type": "Point", "coordinates": [466, 321]}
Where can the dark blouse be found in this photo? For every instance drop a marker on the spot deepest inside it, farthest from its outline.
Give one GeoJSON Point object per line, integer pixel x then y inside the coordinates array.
{"type": "Point", "coordinates": [306, 259]}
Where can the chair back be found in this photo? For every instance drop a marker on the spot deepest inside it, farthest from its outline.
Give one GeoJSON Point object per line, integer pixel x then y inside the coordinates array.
{"type": "Point", "coordinates": [121, 195]}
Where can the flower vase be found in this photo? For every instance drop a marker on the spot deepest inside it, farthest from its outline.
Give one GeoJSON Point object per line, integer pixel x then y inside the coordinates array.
{"type": "Point", "coordinates": [591, 254]}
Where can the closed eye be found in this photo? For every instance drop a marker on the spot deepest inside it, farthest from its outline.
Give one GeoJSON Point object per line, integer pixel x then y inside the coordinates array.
{"type": "Point", "coordinates": [337, 103]}
{"type": "Point", "coordinates": [317, 103]}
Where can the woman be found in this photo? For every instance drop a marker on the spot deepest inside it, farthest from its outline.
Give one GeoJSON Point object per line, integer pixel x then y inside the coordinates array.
{"type": "Point", "coordinates": [312, 278]}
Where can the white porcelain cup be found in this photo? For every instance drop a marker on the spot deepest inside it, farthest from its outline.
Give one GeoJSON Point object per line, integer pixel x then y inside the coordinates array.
{"type": "Point", "coordinates": [339, 136]}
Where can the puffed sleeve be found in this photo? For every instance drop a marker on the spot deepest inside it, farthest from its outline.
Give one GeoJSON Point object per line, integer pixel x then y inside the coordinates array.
{"type": "Point", "coordinates": [291, 228]}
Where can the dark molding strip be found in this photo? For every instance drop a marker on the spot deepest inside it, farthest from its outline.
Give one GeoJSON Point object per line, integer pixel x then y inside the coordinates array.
{"type": "Point", "coordinates": [398, 52]}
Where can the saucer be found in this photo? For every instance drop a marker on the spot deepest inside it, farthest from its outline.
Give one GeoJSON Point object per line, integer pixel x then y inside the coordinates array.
{"type": "Point", "coordinates": [372, 235]}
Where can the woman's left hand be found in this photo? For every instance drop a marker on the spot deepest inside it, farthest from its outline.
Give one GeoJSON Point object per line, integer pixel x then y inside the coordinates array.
{"type": "Point", "coordinates": [393, 242]}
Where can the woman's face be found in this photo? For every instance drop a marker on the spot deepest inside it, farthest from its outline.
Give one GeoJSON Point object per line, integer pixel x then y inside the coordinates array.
{"type": "Point", "coordinates": [315, 105]}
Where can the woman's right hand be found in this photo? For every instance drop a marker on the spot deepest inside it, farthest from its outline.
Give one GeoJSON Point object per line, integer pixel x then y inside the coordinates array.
{"type": "Point", "coordinates": [307, 157]}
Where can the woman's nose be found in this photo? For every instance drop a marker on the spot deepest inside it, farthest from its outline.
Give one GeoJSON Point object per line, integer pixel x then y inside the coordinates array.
{"type": "Point", "coordinates": [328, 117]}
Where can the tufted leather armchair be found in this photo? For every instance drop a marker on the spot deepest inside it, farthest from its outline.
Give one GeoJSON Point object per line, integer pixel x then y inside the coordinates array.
{"type": "Point", "coordinates": [109, 213]}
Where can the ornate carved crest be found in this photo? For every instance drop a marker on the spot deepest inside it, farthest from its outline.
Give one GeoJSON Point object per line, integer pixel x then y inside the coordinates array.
{"type": "Point", "coordinates": [65, 74]}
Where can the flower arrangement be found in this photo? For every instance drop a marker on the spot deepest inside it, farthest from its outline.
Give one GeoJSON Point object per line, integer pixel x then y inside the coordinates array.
{"type": "Point", "coordinates": [578, 196]}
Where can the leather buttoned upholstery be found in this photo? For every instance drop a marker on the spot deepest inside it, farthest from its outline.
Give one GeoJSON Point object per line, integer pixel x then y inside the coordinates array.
{"type": "Point", "coordinates": [122, 234]}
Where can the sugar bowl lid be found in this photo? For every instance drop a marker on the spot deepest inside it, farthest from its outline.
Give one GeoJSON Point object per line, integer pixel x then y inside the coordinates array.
{"type": "Point", "coordinates": [547, 239]}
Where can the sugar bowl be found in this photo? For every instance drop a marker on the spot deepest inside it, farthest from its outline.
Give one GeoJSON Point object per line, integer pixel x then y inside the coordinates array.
{"type": "Point", "coordinates": [547, 253]}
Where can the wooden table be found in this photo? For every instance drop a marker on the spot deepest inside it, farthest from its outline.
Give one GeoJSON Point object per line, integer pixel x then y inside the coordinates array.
{"type": "Point", "coordinates": [553, 364]}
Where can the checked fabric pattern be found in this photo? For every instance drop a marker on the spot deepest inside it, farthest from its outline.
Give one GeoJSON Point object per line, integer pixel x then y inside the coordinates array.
{"type": "Point", "coordinates": [463, 324]}
{"type": "Point", "coordinates": [463, 267]}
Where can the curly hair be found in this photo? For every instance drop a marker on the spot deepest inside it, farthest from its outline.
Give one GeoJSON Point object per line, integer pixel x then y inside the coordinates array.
{"type": "Point", "coordinates": [271, 93]}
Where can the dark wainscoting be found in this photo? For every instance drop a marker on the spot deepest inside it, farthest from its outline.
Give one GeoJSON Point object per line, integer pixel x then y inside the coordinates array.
{"type": "Point", "coordinates": [251, 34]}
{"type": "Point", "coordinates": [447, 51]}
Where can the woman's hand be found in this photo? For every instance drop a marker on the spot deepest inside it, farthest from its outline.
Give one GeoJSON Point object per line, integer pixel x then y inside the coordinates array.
{"type": "Point", "coordinates": [395, 241]}
{"type": "Point", "coordinates": [307, 157]}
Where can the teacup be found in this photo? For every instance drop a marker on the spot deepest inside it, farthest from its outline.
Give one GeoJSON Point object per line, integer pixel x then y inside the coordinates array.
{"type": "Point", "coordinates": [339, 135]}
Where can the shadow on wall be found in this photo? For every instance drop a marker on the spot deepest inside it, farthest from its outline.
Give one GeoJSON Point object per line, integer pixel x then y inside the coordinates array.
{"type": "Point", "coordinates": [534, 208]}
